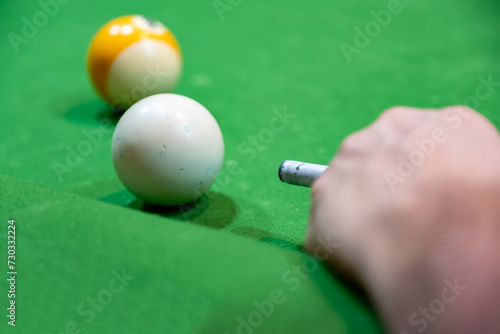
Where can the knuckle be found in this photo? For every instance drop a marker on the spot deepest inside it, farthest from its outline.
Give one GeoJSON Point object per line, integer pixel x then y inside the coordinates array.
{"type": "Point", "coordinates": [404, 119]}
{"type": "Point", "coordinates": [348, 144]}
{"type": "Point", "coordinates": [461, 109]}
{"type": "Point", "coordinates": [469, 117]}
{"type": "Point", "coordinates": [393, 112]}
{"type": "Point", "coordinates": [360, 141]}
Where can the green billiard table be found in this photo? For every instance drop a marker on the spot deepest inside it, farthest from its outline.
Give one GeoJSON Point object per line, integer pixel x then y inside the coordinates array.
{"type": "Point", "coordinates": [285, 80]}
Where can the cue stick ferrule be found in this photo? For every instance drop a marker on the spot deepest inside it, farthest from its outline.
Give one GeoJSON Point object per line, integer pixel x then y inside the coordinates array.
{"type": "Point", "coordinates": [300, 173]}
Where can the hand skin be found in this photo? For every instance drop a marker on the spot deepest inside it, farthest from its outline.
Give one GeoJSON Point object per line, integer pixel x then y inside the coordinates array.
{"type": "Point", "coordinates": [407, 237]}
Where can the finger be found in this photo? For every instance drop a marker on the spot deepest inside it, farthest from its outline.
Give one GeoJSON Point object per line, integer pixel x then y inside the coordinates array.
{"type": "Point", "coordinates": [361, 142]}
{"type": "Point", "coordinates": [462, 117]}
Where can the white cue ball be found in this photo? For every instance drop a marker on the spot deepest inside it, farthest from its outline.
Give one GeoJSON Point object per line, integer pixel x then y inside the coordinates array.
{"type": "Point", "coordinates": [167, 149]}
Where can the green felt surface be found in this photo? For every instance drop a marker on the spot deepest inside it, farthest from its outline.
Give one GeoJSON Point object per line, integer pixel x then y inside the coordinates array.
{"type": "Point", "coordinates": [200, 268]}
{"type": "Point", "coordinates": [182, 277]}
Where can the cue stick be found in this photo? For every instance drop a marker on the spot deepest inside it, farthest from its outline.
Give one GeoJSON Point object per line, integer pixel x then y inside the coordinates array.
{"type": "Point", "coordinates": [300, 173]}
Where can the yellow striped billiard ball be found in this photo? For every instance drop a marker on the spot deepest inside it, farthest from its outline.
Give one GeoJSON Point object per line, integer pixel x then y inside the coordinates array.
{"type": "Point", "coordinates": [132, 57]}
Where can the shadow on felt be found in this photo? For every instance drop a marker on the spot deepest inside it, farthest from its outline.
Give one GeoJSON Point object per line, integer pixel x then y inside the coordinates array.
{"type": "Point", "coordinates": [212, 209]}
{"type": "Point", "coordinates": [92, 112]}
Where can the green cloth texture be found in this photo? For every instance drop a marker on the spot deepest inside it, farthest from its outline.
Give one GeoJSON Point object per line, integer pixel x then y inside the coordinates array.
{"type": "Point", "coordinates": [99, 268]}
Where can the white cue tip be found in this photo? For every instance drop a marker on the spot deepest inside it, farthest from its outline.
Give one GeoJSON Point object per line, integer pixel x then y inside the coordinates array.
{"type": "Point", "coordinates": [300, 173]}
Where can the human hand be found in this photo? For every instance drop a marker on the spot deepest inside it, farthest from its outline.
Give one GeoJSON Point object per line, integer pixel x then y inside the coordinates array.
{"type": "Point", "coordinates": [414, 202]}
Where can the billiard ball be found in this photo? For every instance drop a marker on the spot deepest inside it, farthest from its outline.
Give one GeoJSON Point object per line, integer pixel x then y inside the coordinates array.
{"type": "Point", "coordinates": [167, 149]}
{"type": "Point", "coordinates": [132, 57]}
